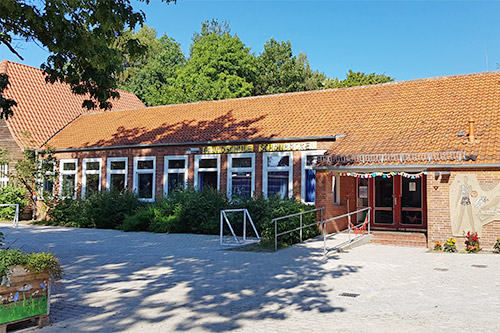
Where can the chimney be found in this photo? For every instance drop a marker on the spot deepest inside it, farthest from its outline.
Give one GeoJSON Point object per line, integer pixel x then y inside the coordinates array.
{"type": "Point", "coordinates": [471, 130]}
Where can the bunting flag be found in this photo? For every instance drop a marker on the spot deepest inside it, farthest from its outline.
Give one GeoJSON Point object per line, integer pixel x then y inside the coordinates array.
{"type": "Point", "coordinates": [380, 174]}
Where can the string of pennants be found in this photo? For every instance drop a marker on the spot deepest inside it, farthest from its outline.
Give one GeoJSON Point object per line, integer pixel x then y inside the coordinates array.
{"type": "Point", "coordinates": [381, 174]}
{"type": "Point", "coordinates": [361, 228]}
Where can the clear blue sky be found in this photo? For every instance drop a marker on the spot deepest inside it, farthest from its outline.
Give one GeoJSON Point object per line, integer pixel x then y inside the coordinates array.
{"type": "Point", "coordinates": [404, 39]}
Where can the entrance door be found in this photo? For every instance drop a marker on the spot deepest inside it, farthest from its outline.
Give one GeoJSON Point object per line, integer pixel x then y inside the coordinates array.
{"type": "Point", "coordinates": [398, 202]}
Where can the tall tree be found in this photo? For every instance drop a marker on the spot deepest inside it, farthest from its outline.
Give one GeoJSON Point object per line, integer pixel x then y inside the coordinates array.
{"type": "Point", "coordinates": [79, 35]}
{"type": "Point", "coordinates": [220, 66]}
{"type": "Point", "coordinates": [357, 79]}
{"type": "Point", "coordinates": [150, 75]}
{"type": "Point", "coordinates": [280, 71]}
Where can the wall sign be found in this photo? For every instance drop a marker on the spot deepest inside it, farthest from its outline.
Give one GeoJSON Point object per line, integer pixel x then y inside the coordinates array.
{"type": "Point", "coordinates": [227, 149]}
{"type": "Point", "coordinates": [363, 192]}
{"type": "Point", "coordinates": [266, 147]}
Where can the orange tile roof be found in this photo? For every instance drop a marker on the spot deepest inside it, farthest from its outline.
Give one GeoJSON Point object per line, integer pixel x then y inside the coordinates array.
{"type": "Point", "coordinates": [423, 115]}
{"type": "Point", "coordinates": [43, 108]}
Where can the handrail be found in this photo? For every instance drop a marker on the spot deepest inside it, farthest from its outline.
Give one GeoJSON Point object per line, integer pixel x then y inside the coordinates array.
{"type": "Point", "coordinates": [275, 220]}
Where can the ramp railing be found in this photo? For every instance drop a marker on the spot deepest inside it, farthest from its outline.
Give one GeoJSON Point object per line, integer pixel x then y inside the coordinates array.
{"type": "Point", "coordinates": [300, 228]}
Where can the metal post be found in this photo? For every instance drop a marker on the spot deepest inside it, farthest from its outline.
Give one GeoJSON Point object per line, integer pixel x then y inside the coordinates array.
{"type": "Point", "coordinates": [323, 225]}
{"type": "Point", "coordinates": [349, 226]}
{"type": "Point", "coordinates": [221, 227]}
{"type": "Point", "coordinates": [275, 235]}
{"type": "Point", "coordinates": [245, 212]}
{"type": "Point", "coordinates": [16, 217]}
{"type": "Point", "coordinates": [369, 220]}
{"type": "Point", "coordinates": [300, 228]}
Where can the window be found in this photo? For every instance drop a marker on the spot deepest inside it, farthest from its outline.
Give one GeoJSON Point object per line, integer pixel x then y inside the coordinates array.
{"type": "Point", "coordinates": [116, 173]}
{"type": "Point", "coordinates": [308, 177]}
{"type": "Point", "coordinates": [175, 176]}
{"type": "Point", "coordinates": [91, 176]}
{"type": "Point", "coordinates": [144, 177]}
{"type": "Point", "coordinates": [277, 177]}
{"type": "Point", "coordinates": [206, 171]}
{"type": "Point", "coordinates": [241, 175]}
{"type": "Point", "coordinates": [336, 190]}
{"type": "Point", "coordinates": [67, 178]}
{"type": "Point", "coordinates": [4, 174]}
{"type": "Point", "coordinates": [46, 185]}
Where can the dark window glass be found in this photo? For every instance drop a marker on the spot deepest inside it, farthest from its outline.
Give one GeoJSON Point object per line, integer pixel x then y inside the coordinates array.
{"type": "Point", "coordinates": [383, 192]}
{"type": "Point", "coordinates": [411, 194]}
{"type": "Point", "coordinates": [310, 185]}
{"type": "Point", "coordinates": [92, 166]}
{"type": "Point", "coordinates": [241, 184]}
{"type": "Point", "coordinates": [68, 166]}
{"type": "Point", "coordinates": [176, 164]}
{"type": "Point", "coordinates": [311, 160]}
{"type": "Point", "coordinates": [208, 163]}
{"type": "Point", "coordinates": [68, 186]}
{"type": "Point", "coordinates": [117, 182]}
{"type": "Point", "coordinates": [175, 181]}
{"type": "Point", "coordinates": [383, 217]}
{"type": "Point", "coordinates": [242, 162]}
{"type": "Point", "coordinates": [277, 183]}
{"type": "Point", "coordinates": [207, 179]}
{"type": "Point", "coordinates": [145, 165]}
{"type": "Point", "coordinates": [276, 161]}
{"type": "Point", "coordinates": [118, 165]}
{"type": "Point", "coordinates": [145, 185]}
{"type": "Point", "coordinates": [48, 186]}
{"type": "Point", "coordinates": [92, 185]}
{"type": "Point", "coordinates": [411, 217]}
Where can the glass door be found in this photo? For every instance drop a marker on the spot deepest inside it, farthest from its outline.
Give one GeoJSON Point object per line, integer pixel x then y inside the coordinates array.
{"type": "Point", "coordinates": [412, 210]}
{"type": "Point", "coordinates": [384, 202]}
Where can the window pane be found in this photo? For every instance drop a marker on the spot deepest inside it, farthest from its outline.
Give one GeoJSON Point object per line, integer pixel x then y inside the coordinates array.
{"type": "Point", "coordinates": [117, 182]}
{"type": "Point", "coordinates": [383, 192]}
{"type": "Point", "coordinates": [311, 160]}
{"type": "Point", "coordinates": [48, 186]}
{"type": "Point", "coordinates": [92, 185]}
{"type": "Point", "coordinates": [310, 186]}
{"type": "Point", "coordinates": [145, 185]}
{"type": "Point", "coordinates": [276, 161]}
{"type": "Point", "coordinates": [68, 186]}
{"type": "Point", "coordinates": [145, 164]}
{"type": "Point", "coordinates": [118, 165]}
{"type": "Point", "coordinates": [241, 184]}
{"type": "Point", "coordinates": [411, 217]}
{"type": "Point", "coordinates": [175, 181]}
{"type": "Point", "coordinates": [277, 183]}
{"type": "Point", "coordinates": [207, 179]}
{"type": "Point", "coordinates": [69, 166]}
{"type": "Point", "coordinates": [242, 162]}
{"type": "Point", "coordinates": [92, 165]}
{"type": "Point", "coordinates": [411, 195]}
{"type": "Point", "coordinates": [176, 164]}
{"type": "Point", "coordinates": [362, 192]}
{"type": "Point", "coordinates": [383, 216]}
{"type": "Point", "coordinates": [208, 163]}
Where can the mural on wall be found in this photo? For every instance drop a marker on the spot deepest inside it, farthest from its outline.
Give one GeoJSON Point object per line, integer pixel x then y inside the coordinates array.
{"type": "Point", "coordinates": [472, 206]}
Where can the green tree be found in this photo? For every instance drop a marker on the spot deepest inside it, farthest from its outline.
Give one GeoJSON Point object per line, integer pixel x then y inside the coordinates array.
{"type": "Point", "coordinates": [220, 66]}
{"type": "Point", "coordinates": [358, 79]}
{"type": "Point", "coordinates": [150, 75]}
{"type": "Point", "coordinates": [79, 36]}
{"type": "Point", "coordinates": [280, 71]}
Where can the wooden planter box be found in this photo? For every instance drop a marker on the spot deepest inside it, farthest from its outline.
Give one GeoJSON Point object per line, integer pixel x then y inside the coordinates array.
{"type": "Point", "coordinates": [24, 295]}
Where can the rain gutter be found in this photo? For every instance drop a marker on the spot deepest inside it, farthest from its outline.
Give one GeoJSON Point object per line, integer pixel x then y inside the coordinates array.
{"type": "Point", "coordinates": [402, 167]}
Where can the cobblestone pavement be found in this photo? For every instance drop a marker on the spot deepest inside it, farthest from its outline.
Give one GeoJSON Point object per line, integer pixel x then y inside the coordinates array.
{"type": "Point", "coordinates": [134, 282]}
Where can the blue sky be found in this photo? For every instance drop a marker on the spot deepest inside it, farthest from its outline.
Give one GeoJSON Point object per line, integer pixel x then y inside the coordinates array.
{"type": "Point", "coordinates": [404, 39]}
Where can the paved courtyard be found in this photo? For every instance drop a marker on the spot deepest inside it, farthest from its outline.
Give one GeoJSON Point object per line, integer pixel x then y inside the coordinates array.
{"type": "Point", "coordinates": [135, 282]}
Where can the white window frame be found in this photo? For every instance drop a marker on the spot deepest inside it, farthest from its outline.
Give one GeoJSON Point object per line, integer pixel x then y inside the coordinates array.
{"type": "Point", "coordinates": [305, 167]}
{"type": "Point", "coordinates": [168, 171]}
{"type": "Point", "coordinates": [231, 169]}
{"type": "Point", "coordinates": [110, 172]}
{"type": "Point", "coordinates": [41, 183]}
{"type": "Point", "coordinates": [266, 169]}
{"type": "Point", "coordinates": [139, 171]}
{"type": "Point", "coordinates": [86, 172]}
{"type": "Point", "coordinates": [67, 172]}
{"type": "Point", "coordinates": [4, 174]}
{"type": "Point", "coordinates": [197, 169]}
{"type": "Point", "coordinates": [336, 189]}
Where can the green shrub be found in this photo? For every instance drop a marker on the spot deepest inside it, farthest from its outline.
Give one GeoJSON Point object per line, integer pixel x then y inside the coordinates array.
{"type": "Point", "coordinates": [12, 195]}
{"type": "Point", "coordinates": [450, 245]}
{"type": "Point", "coordinates": [35, 262]}
{"type": "Point", "coordinates": [107, 209]}
{"type": "Point", "coordinates": [69, 212]}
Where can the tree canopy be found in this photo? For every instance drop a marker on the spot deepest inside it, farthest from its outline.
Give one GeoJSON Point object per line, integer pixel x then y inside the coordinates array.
{"type": "Point", "coordinates": [80, 37]}
{"type": "Point", "coordinates": [358, 79]}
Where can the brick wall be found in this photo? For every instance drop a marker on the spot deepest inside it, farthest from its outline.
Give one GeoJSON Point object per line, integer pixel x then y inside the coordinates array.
{"type": "Point", "coordinates": [8, 143]}
{"type": "Point", "coordinates": [438, 208]}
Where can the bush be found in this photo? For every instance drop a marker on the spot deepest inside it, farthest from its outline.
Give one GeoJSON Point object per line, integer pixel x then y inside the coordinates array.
{"type": "Point", "coordinates": [472, 242]}
{"type": "Point", "coordinates": [35, 262]}
{"type": "Point", "coordinates": [70, 213]}
{"type": "Point", "coordinates": [12, 195]}
{"type": "Point", "coordinates": [107, 210]}
{"type": "Point", "coordinates": [450, 245]}
{"type": "Point", "coordinates": [438, 246]}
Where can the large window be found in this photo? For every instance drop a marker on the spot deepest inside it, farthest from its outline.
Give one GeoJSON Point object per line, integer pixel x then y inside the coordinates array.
{"type": "Point", "coordinates": [241, 175]}
{"type": "Point", "coordinates": [91, 176]}
{"type": "Point", "coordinates": [144, 177]}
{"type": "Point", "coordinates": [116, 173]}
{"type": "Point", "coordinates": [68, 169]}
{"type": "Point", "coordinates": [175, 175]}
{"type": "Point", "coordinates": [4, 174]}
{"type": "Point", "coordinates": [277, 176]}
{"type": "Point", "coordinates": [308, 177]}
{"type": "Point", "coordinates": [206, 171]}
{"type": "Point", "coordinates": [46, 185]}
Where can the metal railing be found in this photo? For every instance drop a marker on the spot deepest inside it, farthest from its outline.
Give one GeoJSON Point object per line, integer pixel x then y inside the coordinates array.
{"type": "Point", "coordinates": [349, 224]}
{"type": "Point", "coordinates": [300, 228]}
{"type": "Point", "coordinates": [15, 223]}
{"type": "Point", "coordinates": [223, 217]}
